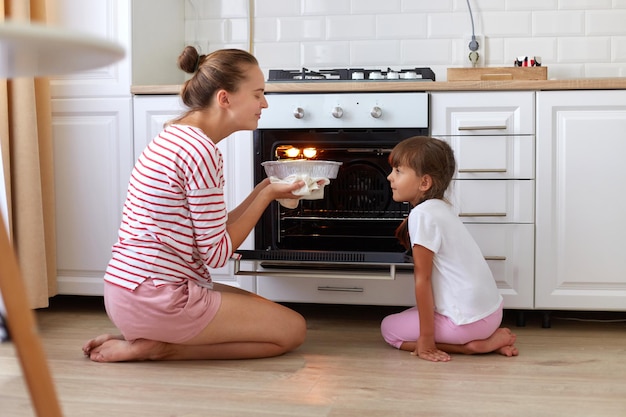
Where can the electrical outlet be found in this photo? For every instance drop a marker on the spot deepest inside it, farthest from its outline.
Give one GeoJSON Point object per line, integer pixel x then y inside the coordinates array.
{"type": "Point", "coordinates": [474, 51]}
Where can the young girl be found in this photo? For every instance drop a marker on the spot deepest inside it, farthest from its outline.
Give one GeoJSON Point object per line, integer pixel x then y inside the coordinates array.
{"type": "Point", "coordinates": [158, 289]}
{"type": "Point", "coordinates": [459, 308]}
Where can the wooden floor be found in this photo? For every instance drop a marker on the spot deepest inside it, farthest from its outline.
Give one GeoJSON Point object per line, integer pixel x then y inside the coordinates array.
{"type": "Point", "coordinates": [574, 368]}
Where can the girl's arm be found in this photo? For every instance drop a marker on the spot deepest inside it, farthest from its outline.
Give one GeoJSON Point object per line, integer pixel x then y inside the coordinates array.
{"type": "Point", "coordinates": [425, 347]}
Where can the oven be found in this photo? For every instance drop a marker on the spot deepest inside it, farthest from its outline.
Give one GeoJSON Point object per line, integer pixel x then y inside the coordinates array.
{"type": "Point", "coordinates": [351, 230]}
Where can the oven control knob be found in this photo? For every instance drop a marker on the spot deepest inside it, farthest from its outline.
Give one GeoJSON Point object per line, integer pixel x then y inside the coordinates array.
{"type": "Point", "coordinates": [376, 112]}
{"type": "Point", "coordinates": [337, 112]}
{"type": "Point", "coordinates": [298, 113]}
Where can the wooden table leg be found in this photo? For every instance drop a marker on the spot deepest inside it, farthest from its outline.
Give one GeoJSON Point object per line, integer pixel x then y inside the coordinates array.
{"type": "Point", "coordinates": [20, 321]}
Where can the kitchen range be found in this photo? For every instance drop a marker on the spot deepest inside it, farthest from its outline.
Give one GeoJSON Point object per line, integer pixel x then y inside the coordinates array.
{"type": "Point", "coordinates": [352, 227]}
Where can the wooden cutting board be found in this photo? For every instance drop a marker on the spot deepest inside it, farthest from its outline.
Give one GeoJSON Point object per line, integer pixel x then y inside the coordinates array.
{"type": "Point", "coordinates": [497, 73]}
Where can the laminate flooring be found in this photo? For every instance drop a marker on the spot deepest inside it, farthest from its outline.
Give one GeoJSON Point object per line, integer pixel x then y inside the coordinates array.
{"type": "Point", "coordinates": [575, 368]}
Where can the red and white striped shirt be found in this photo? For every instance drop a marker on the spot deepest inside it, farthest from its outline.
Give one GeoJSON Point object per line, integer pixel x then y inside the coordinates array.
{"type": "Point", "coordinates": [174, 218]}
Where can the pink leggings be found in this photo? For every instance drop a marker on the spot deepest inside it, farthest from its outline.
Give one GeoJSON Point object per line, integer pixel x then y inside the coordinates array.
{"type": "Point", "coordinates": [405, 327]}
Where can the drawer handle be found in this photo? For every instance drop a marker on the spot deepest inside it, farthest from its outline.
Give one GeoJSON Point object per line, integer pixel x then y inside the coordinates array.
{"type": "Point", "coordinates": [482, 214]}
{"type": "Point", "coordinates": [340, 289]}
{"type": "Point", "coordinates": [486, 127]}
{"type": "Point", "coordinates": [495, 258]}
{"type": "Point", "coordinates": [479, 170]}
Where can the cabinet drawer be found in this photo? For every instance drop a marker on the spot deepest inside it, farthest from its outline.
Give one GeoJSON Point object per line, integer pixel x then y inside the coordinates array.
{"type": "Point", "coordinates": [494, 201]}
{"type": "Point", "coordinates": [397, 292]}
{"type": "Point", "coordinates": [493, 113]}
{"type": "Point", "coordinates": [509, 251]}
{"type": "Point", "coordinates": [494, 157]}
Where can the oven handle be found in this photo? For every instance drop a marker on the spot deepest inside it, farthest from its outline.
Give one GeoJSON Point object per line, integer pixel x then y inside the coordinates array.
{"type": "Point", "coordinates": [312, 274]}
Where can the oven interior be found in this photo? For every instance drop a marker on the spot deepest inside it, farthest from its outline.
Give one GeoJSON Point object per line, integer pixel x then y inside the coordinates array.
{"type": "Point", "coordinates": [356, 219]}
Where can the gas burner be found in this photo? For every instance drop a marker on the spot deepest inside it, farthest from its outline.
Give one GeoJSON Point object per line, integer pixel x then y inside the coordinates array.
{"type": "Point", "coordinates": [352, 74]}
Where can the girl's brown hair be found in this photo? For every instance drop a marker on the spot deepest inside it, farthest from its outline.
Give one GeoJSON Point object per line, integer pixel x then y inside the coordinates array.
{"type": "Point", "coordinates": [223, 69]}
{"type": "Point", "coordinates": [426, 156]}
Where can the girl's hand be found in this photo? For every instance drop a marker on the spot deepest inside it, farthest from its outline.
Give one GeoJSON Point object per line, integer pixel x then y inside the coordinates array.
{"type": "Point", "coordinates": [429, 352]}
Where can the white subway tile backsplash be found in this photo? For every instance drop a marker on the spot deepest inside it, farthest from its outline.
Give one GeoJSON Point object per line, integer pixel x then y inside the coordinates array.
{"type": "Point", "coordinates": [329, 54]}
{"type": "Point", "coordinates": [325, 7]}
{"type": "Point", "coordinates": [375, 6]}
{"type": "Point", "coordinates": [567, 23]}
{"type": "Point", "coordinates": [273, 8]}
{"type": "Point", "coordinates": [421, 6]}
{"type": "Point", "coordinates": [546, 48]}
{"type": "Point", "coordinates": [425, 53]}
{"type": "Point", "coordinates": [216, 8]}
{"type": "Point", "coordinates": [507, 24]}
{"type": "Point", "coordinates": [353, 27]}
{"type": "Point", "coordinates": [575, 38]}
{"type": "Point", "coordinates": [283, 55]}
{"type": "Point", "coordinates": [606, 22]}
{"type": "Point", "coordinates": [584, 50]}
{"type": "Point", "coordinates": [450, 25]}
{"type": "Point", "coordinates": [301, 28]}
{"type": "Point", "coordinates": [374, 53]}
{"type": "Point", "coordinates": [404, 26]}
{"type": "Point", "coordinates": [603, 70]}
{"type": "Point", "coordinates": [618, 49]}
{"type": "Point", "coordinates": [585, 4]}
{"type": "Point", "coordinates": [532, 5]}
{"type": "Point", "coordinates": [266, 29]}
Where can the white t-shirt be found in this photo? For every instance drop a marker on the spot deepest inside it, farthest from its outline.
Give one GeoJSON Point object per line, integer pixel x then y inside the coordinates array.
{"type": "Point", "coordinates": [463, 287]}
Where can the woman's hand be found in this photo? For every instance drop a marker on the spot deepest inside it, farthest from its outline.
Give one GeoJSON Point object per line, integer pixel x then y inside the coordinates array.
{"type": "Point", "coordinates": [281, 190]}
{"type": "Point", "coordinates": [426, 349]}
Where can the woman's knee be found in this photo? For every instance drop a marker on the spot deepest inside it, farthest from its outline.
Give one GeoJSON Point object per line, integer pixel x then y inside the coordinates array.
{"type": "Point", "coordinates": [296, 334]}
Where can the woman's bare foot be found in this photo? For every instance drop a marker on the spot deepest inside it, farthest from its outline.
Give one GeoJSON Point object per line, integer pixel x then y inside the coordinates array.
{"type": "Point", "coordinates": [98, 341]}
{"type": "Point", "coordinates": [110, 348]}
{"type": "Point", "coordinates": [502, 341]}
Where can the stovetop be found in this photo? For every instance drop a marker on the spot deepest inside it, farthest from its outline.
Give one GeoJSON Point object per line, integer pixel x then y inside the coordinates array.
{"type": "Point", "coordinates": [352, 74]}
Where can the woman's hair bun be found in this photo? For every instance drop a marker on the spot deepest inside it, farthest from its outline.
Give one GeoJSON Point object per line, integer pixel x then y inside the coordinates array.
{"type": "Point", "coordinates": [188, 60]}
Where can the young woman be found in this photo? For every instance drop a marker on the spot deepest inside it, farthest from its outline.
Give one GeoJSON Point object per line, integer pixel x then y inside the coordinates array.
{"type": "Point", "coordinates": [158, 289]}
{"type": "Point", "coordinates": [459, 308]}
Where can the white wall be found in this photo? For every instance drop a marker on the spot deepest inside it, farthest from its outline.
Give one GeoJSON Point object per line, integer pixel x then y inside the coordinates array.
{"type": "Point", "coordinates": [575, 38]}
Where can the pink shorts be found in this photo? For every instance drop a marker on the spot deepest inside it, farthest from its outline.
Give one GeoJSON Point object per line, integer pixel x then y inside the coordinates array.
{"type": "Point", "coordinates": [172, 313]}
{"type": "Point", "coordinates": [405, 327]}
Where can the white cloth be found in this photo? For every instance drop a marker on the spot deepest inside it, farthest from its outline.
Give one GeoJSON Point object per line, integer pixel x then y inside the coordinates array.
{"type": "Point", "coordinates": [313, 188]}
{"type": "Point", "coordinates": [463, 287]}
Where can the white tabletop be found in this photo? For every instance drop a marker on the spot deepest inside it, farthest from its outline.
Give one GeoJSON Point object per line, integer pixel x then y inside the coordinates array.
{"type": "Point", "coordinates": [28, 50]}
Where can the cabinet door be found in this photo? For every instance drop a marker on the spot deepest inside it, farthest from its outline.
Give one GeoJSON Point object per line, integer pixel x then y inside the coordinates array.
{"type": "Point", "coordinates": [92, 142]}
{"type": "Point", "coordinates": [107, 19]}
{"type": "Point", "coordinates": [150, 115]}
{"type": "Point", "coordinates": [581, 144]}
{"type": "Point", "coordinates": [508, 249]}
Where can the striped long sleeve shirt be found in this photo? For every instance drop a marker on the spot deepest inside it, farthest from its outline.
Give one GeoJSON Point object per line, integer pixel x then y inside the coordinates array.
{"type": "Point", "coordinates": [174, 219]}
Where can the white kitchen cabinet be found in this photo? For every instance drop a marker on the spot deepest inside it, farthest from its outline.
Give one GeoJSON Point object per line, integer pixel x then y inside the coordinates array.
{"type": "Point", "coordinates": [93, 148]}
{"type": "Point", "coordinates": [493, 138]}
{"type": "Point", "coordinates": [150, 114]}
{"type": "Point", "coordinates": [93, 158]}
{"type": "Point", "coordinates": [107, 19]}
{"type": "Point", "coordinates": [581, 205]}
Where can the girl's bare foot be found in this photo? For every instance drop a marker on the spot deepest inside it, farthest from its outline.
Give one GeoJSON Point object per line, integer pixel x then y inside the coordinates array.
{"type": "Point", "coordinates": [109, 348]}
{"type": "Point", "coordinates": [502, 341]}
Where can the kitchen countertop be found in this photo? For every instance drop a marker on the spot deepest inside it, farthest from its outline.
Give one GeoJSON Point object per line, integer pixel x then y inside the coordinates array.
{"type": "Point", "coordinates": [362, 86]}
